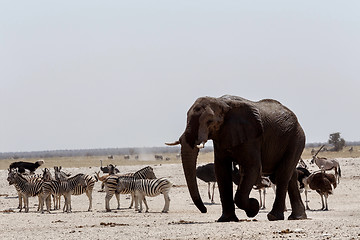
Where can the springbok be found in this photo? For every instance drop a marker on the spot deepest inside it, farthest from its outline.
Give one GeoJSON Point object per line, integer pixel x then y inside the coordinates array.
{"type": "Point", "coordinates": [327, 164]}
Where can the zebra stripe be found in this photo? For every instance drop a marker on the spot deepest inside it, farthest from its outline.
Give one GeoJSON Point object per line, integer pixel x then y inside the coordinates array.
{"type": "Point", "coordinates": [25, 186]}
{"type": "Point", "coordinates": [64, 188]}
{"type": "Point", "coordinates": [112, 185]}
{"type": "Point", "coordinates": [144, 173]}
{"type": "Point", "coordinates": [90, 183]}
{"type": "Point", "coordinates": [152, 188]}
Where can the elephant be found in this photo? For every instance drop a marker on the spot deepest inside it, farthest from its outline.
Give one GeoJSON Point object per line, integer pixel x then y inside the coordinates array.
{"type": "Point", "coordinates": [264, 138]}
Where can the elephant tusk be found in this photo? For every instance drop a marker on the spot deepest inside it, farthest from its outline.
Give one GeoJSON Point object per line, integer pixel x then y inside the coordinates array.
{"type": "Point", "coordinates": [201, 145]}
{"type": "Point", "coordinates": [173, 144]}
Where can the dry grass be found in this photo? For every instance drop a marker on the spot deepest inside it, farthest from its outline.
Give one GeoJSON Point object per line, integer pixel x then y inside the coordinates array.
{"type": "Point", "coordinates": [94, 161]}
{"type": "Point", "coordinates": [148, 159]}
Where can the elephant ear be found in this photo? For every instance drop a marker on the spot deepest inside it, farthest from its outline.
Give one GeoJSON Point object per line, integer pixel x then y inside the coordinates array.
{"type": "Point", "coordinates": [242, 123]}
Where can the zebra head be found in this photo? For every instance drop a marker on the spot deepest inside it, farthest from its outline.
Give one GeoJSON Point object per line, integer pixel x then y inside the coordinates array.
{"type": "Point", "coordinates": [11, 176]}
{"type": "Point", "coordinates": [46, 175]}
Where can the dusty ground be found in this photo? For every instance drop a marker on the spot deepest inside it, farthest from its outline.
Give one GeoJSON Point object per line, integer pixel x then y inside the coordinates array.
{"type": "Point", "coordinates": [183, 221]}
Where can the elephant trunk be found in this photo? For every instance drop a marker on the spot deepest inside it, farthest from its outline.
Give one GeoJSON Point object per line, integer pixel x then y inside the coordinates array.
{"type": "Point", "coordinates": [189, 158]}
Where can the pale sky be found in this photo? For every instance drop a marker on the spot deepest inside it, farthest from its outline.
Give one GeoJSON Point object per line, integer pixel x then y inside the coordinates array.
{"type": "Point", "coordinates": [103, 74]}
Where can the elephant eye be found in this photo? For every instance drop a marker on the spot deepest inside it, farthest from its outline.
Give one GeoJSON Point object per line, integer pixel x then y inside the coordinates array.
{"type": "Point", "coordinates": [209, 122]}
{"type": "Point", "coordinates": [197, 109]}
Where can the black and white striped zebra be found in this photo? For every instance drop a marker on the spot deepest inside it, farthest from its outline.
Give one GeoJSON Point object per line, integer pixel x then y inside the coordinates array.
{"type": "Point", "coordinates": [111, 185]}
{"type": "Point", "coordinates": [29, 178]}
{"type": "Point", "coordinates": [64, 188]}
{"type": "Point", "coordinates": [144, 173]}
{"type": "Point", "coordinates": [152, 188]}
{"type": "Point", "coordinates": [29, 186]}
{"type": "Point", "coordinates": [90, 182]}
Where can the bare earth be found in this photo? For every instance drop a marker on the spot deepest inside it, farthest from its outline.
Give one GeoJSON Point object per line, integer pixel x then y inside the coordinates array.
{"type": "Point", "coordinates": [183, 221]}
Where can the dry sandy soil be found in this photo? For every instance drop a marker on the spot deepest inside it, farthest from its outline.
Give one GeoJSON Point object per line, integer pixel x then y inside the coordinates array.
{"type": "Point", "coordinates": [183, 221]}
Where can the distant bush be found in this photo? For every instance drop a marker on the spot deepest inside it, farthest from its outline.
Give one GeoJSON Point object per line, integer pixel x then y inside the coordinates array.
{"type": "Point", "coordinates": [336, 141]}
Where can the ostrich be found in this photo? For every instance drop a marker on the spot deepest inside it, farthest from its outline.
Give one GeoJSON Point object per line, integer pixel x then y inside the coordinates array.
{"type": "Point", "coordinates": [207, 174]}
{"type": "Point", "coordinates": [21, 166]}
{"type": "Point", "coordinates": [323, 183]}
{"type": "Point", "coordinates": [302, 174]}
{"type": "Point", "coordinates": [261, 186]}
{"type": "Point", "coordinates": [106, 169]}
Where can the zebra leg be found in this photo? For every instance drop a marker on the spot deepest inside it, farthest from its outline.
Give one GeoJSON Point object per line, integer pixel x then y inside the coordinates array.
{"type": "Point", "coordinates": [132, 200]}
{"type": "Point", "coordinates": [69, 202]}
{"type": "Point", "coordinates": [41, 203]}
{"type": "Point", "coordinates": [117, 195]}
{"type": "Point", "coordinates": [20, 200]}
{"type": "Point", "coordinates": [141, 197]}
{"type": "Point", "coordinates": [136, 199]}
{"type": "Point", "coordinates": [39, 200]}
{"type": "Point", "coordinates": [167, 202]}
{"type": "Point", "coordinates": [57, 201]}
{"type": "Point", "coordinates": [26, 203]}
{"type": "Point", "coordinates": [65, 202]}
{"type": "Point", "coordinates": [145, 202]}
{"type": "Point", "coordinates": [89, 195]}
{"type": "Point", "coordinates": [108, 196]}
{"type": "Point", "coordinates": [54, 200]}
{"type": "Point", "coordinates": [48, 203]}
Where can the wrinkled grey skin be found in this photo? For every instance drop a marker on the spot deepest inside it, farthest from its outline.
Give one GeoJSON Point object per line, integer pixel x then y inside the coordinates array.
{"type": "Point", "coordinates": [262, 137]}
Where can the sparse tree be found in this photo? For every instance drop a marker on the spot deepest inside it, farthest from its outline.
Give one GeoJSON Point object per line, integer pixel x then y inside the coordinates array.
{"type": "Point", "coordinates": [336, 141]}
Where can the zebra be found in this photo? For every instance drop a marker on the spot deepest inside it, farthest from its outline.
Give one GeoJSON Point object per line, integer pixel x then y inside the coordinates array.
{"type": "Point", "coordinates": [64, 188]}
{"type": "Point", "coordinates": [112, 181]}
{"type": "Point", "coordinates": [29, 178]}
{"type": "Point", "coordinates": [144, 173]}
{"type": "Point", "coordinates": [26, 187]}
{"type": "Point", "coordinates": [152, 188]}
{"type": "Point", "coordinates": [88, 189]}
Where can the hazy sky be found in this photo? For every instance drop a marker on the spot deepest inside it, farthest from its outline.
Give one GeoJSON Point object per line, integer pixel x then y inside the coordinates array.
{"type": "Point", "coordinates": [99, 74]}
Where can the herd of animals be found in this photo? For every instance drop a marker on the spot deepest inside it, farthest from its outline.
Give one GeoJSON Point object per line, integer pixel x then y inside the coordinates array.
{"type": "Point", "coordinates": [321, 181]}
{"type": "Point", "coordinates": [140, 184]}
{"type": "Point", "coordinates": [144, 183]}
{"type": "Point", "coordinates": [263, 137]}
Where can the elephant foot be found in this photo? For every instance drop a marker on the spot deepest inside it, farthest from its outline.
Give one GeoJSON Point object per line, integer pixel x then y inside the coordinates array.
{"type": "Point", "coordinates": [273, 216]}
{"type": "Point", "coordinates": [297, 217]}
{"type": "Point", "coordinates": [228, 218]}
{"type": "Point", "coordinates": [252, 208]}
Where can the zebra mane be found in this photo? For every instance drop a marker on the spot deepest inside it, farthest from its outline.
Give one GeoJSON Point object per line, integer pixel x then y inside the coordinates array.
{"type": "Point", "coordinates": [145, 168]}
{"type": "Point", "coordinates": [125, 178]}
{"type": "Point", "coordinates": [73, 177]}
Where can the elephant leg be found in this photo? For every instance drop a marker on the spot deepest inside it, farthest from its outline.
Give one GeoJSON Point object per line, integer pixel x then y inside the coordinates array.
{"type": "Point", "coordinates": [242, 200]}
{"type": "Point", "coordinates": [297, 206]}
{"type": "Point", "coordinates": [286, 179]}
{"type": "Point", "coordinates": [223, 174]}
